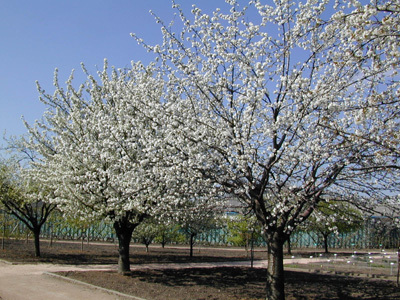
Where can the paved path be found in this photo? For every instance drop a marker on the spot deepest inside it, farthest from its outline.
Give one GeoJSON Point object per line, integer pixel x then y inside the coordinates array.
{"type": "Point", "coordinates": [23, 281]}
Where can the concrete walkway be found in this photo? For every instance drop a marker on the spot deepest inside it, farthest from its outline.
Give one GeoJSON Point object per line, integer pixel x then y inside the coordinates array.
{"type": "Point", "coordinates": [26, 281]}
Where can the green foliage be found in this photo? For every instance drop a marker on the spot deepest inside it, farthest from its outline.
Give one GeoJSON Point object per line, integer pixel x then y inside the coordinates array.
{"type": "Point", "coordinates": [61, 227]}
{"type": "Point", "coordinates": [7, 224]}
{"type": "Point", "coordinates": [169, 233]}
{"type": "Point", "coordinates": [333, 217]}
{"type": "Point", "coordinates": [243, 230]}
{"type": "Point", "coordinates": [197, 225]}
{"type": "Point", "coordinates": [9, 186]}
{"type": "Point", "coordinates": [23, 197]}
{"type": "Point", "coordinates": [151, 231]}
{"type": "Point", "coordinates": [146, 232]}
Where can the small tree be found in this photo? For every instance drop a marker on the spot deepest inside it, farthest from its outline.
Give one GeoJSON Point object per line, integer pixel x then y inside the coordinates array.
{"type": "Point", "coordinates": [146, 232]}
{"type": "Point", "coordinates": [5, 223]}
{"type": "Point", "coordinates": [383, 232]}
{"type": "Point", "coordinates": [333, 217]}
{"type": "Point", "coordinates": [25, 199]}
{"type": "Point", "coordinates": [244, 231]}
{"type": "Point", "coordinates": [195, 219]}
{"type": "Point", "coordinates": [97, 152]}
{"type": "Point", "coordinates": [168, 233]}
{"type": "Point", "coordinates": [79, 226]}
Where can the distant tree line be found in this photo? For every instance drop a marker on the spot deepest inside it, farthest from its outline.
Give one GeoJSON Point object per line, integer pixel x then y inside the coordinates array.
{"type": "Point", "coordinates": [234, 230]}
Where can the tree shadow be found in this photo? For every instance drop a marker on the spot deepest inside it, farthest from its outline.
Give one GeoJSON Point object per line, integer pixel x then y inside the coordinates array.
{"type": "Point", "coordinates": [299, 285]}
{"type": "Point", "coordinates": [328, 287]}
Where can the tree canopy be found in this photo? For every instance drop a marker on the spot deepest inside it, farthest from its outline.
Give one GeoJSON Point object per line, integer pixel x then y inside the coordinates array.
{"type": "Point", "coordinates": [287, 108]}
{"type": "Point", "coordinates": [24, 198]}
{"type": "Point", "coordinates": [282, 106]}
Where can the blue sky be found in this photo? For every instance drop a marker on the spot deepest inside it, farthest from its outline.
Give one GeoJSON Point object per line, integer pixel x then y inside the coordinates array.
{"type": "Point", "coordinates": [38, 36]}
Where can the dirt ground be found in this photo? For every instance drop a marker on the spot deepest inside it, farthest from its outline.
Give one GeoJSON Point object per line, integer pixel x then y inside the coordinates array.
{"type": "Point", "coordinates": [220, 283]}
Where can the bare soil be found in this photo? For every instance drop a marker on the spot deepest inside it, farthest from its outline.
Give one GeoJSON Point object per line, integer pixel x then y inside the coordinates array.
{"type": "Point", "coordinates": [220, 283]}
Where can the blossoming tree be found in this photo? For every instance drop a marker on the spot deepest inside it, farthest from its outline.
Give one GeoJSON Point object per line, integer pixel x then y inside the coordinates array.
{"type": "Point", "coordinates": [25, 199]}
{"type": "Point", "coordinates": [267, 101]}
{"type": "Point", "coordinates": [97, 149]}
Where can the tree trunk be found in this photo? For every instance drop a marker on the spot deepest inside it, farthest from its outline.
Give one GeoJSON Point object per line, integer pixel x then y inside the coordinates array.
{"type": "Point", "coordinates": [275, 289]}
{"type": "Point", "coordinates": [51, 236]}
{"type": "Point", "coordinates": [192, 235]}
{"type": "Point", "coordinates": [398, 267]}
{"type": "Point", "coordinates": [252, 249]}
{"type": "Point", "coordinates": [124, 229]}
{"type": "Point", "coordinates": [289, 246]}
{"type": "Point", "coordinates": [4, 231]}
{"type": "Point", "coordinates": [36, 237]}
{"type": "Point", "coordinates": [326, 243]}
{"type": "Point", "coordinates": [163, 240]}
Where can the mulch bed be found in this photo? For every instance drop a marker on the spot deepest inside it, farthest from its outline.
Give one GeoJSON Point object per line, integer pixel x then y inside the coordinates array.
{"type": "Point", "coordinates": [236, 283]}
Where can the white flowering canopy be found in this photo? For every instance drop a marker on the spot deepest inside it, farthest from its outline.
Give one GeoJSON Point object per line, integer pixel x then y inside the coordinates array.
{"type": "Point", "coordinates": [296, 105]}
{"type": "Point", "coordinates": [97, 144]}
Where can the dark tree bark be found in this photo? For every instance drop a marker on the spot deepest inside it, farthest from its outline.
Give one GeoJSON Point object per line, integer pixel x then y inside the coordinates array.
{"type": "Point", "coordinates": [36, 237]}
{"type": "Point", "coordinates": [289, 246]}
{"type": "Point", "coordinates": [33, 215]}
{"type": "Point", "coordinates": [4, 231]}
{"type": "Point", "coordinates": [275, 289]}
{"type": "Point", "coordinates": [124, 229]}
{"type": "Point", "coordinates": [163, 239]}
{"type": "Point", "coordinates": [192, 236]}
{"type": "Point", "coordinates": [326, 242]}
{"type": "Point", "coordinates": [163, 243]}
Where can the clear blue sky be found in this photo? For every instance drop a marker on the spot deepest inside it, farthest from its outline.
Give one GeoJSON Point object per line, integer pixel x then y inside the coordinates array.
{"type": "Point", "coordinates": [37, 36]}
